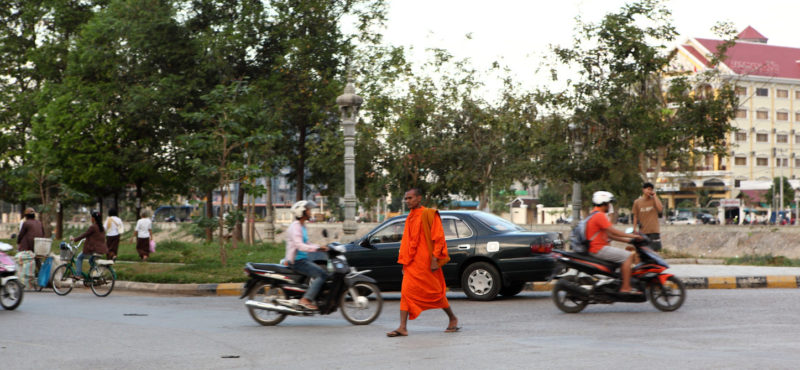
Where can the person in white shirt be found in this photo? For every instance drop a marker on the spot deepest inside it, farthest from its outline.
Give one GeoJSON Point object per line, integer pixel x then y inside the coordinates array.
{"type": "Point", "coordinates": [114, 228]}
{"type": "Point", "coordinates": [142, 233]}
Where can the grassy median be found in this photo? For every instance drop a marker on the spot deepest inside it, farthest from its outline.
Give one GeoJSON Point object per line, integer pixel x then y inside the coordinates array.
{"type": "Point", "coordinates": [186, 262]}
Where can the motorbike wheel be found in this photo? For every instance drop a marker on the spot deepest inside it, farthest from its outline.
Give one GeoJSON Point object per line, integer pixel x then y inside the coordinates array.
{"type": "Point", "coordinates": [667, 297]}
{"type": "Point", "coordinates": [565, 300]}
{"type": "Point", "coordinates": [513, 289]}
{"type": "Point", "coordinates": [11, 294]}
{"type": "Point", "coordinates": [363, 309]}
{"type": "Point", "coordinates": [264, 292]}
{"type": "Point", "coordinates": [62, 281]}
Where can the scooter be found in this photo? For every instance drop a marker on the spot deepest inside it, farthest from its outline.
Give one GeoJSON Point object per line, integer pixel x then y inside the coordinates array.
{"type": "Point", "coordinates": [11, 289]}
{"type": "Point", "coordinates": [588, 280]}
{"type": "Point", "coordinates": [274, 291]}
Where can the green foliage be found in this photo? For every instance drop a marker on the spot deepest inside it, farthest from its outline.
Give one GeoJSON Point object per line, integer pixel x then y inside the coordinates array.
{"type": "Point", "coordinates": [763, 260]}
{"type": "Point", "coordinates": [628, 108]}
{"type": "Point", "coordinates": [772, 195]}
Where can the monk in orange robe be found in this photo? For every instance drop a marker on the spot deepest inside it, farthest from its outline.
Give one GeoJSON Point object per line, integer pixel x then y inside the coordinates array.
{"type": "Point", "coordinates": [423, 252]}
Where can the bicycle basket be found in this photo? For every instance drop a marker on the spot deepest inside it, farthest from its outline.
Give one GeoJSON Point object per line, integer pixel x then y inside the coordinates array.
{"type": "Point", "coordinates": [66, 254]}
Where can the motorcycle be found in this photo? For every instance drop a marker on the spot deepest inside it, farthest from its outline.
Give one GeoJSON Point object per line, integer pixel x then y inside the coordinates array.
{"type": "Point", "coordinates": [588, 280]}
{"type": "Point", "coordinates": [10, 288]}
{"type": "Point", "coordinates": [274, 291]}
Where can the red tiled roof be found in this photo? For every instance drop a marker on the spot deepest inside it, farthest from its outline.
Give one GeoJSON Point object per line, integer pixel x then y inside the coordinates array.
{"type": "Point", "coordinates": [753, 197]}
{"type": "Point", "coordinates": [746, 58]}
{"type": "Point", "coordinates": [750, 34]}
{"type": "Point", "coordinates": [696, 54]}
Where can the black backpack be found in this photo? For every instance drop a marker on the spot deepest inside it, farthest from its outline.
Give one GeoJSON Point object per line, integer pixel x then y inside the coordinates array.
{"type": "Point", "coordinates": [577, 238]}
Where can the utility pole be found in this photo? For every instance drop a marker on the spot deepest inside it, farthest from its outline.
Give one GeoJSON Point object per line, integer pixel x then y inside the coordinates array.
{"type": "Point", "coordinates": [576, 186]}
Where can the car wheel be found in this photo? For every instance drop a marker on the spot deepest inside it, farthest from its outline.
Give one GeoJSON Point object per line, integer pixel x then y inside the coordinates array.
{"type": "Point", "coordinates": [512, 289]}
{"type": "Point", "coordinates": [481, 281]}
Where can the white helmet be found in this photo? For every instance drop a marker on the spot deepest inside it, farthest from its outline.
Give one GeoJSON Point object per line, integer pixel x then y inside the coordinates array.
{"type": "Point", "coordinates": [300, 207]}
{"type": "Point", "coordinates": [602, 197]}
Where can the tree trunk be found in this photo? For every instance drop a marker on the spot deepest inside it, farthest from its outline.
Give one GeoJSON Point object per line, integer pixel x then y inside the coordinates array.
{"type": "Point", "coordinates": [116, 202]}
{"type": "Point", "coordinates": [300, 166]}
{"type": "Point", "coordinates": [237, 230]}
{"type": "Point", "coordinates": [100, 207]}
{"type": "Point", "coordinates": [138, 201]}
{"type": "Point", "coordinates": [209, 214]}
{"type": "Point", "coordinates": [269, 226]}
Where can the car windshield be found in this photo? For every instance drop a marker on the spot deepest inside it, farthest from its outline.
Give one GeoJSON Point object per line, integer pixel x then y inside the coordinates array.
{"type": "Point", "coordinates": [495, 223]}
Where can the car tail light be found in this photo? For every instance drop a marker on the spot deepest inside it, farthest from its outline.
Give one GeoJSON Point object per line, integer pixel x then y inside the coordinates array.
{"type": "Point", "coordinates": [541, 247]}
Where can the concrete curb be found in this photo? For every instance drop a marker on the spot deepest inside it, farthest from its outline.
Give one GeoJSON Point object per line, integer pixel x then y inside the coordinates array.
{"type": "Point", "coordinates": [693, 282]}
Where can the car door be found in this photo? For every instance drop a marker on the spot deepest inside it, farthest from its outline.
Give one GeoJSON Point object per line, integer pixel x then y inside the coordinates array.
{"type": "Point", "coordinates": [460, 238]}
{"type": "Point", "coordinates": [382, 260]}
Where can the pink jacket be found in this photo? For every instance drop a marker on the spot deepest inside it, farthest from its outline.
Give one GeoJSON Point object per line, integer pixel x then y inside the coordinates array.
{"type": "Point", "coordinates": [294, 242]}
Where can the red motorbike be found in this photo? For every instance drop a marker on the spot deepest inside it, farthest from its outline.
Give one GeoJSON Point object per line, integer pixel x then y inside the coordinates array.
{"type": "Point", "coordinates": [587, 280]}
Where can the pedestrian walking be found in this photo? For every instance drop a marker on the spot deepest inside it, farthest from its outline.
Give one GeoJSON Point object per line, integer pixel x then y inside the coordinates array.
{"type": "Point", "coordinates": [142, 234]}
{"type": "Point", "coordinates": [645, 215]}
{"type": "Point", "coordinates": [423, 252]}
{"type": "Point", "coordinates": [95, 242]}
{"type": "Point", "coordinates": [114, 227]}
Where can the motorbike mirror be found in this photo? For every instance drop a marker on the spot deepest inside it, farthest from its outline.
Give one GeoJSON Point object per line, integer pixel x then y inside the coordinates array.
{"type": "Point", "coordinates": [629, 230]}
{"type": "Point", "coordinates": [325, 233]}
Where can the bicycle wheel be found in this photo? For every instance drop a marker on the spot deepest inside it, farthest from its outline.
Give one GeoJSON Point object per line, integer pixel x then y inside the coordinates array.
{"type": "Point", "coordinates": [62, 280]}
{"type": "Point", "coordinates": [101, 280]}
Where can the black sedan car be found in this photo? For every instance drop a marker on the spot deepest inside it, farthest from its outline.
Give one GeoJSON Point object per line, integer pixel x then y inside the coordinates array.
{"type": "Point", "coordinates": [488, 255]}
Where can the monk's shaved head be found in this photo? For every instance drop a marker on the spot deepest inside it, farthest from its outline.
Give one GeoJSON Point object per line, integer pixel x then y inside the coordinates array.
{"type": "Point", "coordinates": [415, 191]}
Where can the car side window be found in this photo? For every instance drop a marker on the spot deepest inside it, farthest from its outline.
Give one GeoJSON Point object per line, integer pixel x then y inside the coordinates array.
{"type": "Point", "coordinates": [449, 226]}
{"type": "Point", "coordinates": [463, 230]}
{"type": "Point", "coordinates": [391, 233]}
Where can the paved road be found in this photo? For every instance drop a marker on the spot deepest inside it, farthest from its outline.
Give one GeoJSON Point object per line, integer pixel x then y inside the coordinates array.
{"type": "Point", "coordinates": [755, 328]}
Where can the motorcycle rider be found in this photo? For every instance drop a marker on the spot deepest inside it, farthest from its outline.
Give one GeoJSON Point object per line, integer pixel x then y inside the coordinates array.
{"type": "Point", "coordinates": [599, 230]}
{"type": "Point", "coordinates": [296, 247]}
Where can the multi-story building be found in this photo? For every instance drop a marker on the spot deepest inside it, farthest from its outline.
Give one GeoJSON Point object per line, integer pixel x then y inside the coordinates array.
{"type": "Point", "coordinates": [766, 143]}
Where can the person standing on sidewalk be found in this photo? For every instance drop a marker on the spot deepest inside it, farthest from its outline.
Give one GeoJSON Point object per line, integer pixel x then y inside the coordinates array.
{"type": "Point", "coordinates": [142, 234]}
{"type": "Point", "coordinates": [645, 215]}
{"type": "Point", "coordinates": [423, 252]}
{"type": "Point", "coordinates": [30, 229]}
{"type": "Point", "coordinates": [114, 228]}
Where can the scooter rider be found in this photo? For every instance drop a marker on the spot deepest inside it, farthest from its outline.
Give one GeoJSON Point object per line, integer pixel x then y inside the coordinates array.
{"type": "Point", "coordinates": [296, 247]}
{"type": "Point", "coordinates": [600, 227]}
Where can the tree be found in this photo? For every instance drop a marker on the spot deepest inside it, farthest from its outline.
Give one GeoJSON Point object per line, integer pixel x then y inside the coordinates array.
{"type": "Point", "coordinates": [772, 196]}
{"type": "Point", "coordinates": [632, 114]}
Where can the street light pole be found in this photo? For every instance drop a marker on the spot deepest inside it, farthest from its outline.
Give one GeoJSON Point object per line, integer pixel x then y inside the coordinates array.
{"type": "Point", "coordinates": [349, 103]}
{"type": "Point", "coordinates": [576, 186]}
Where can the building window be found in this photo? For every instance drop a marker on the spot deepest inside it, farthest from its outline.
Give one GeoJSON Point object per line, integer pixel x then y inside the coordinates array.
{"type": "Point", "coordinates": [737, 183]}
{"type": "Point", "coordinates": [782, 116]}
{"type": "Point", "coordinates": [781, 93]}
{"type": "Point", "coordinates": [741, 113]}
{"type": "Point", "coordinates": [762, 114]}
{"type": "Point", "coordinates": [782, 138]}
{"type": "Point", "coordinates": [742, 136]}
{"type": "Point", "coordinates": [741, 91]}
{"type": "Point", "coordinates": [740, 161]}
{"type": "Point", "coordinates": [797, 162]}
{"type": "Point", "coordinates": [797, 139]}
{"type": "Point", "coordinates": [761, 91]}
{"type": "Point", "coordinates": [781, 162]}
{"type": "Point", "coordinates": [797, 117]}
{"type": "Point", "coordinates": [762, 138]}
{"type": "Point", "coordinates": [761, 162]}
{"type": "Point", "coordinates": [797, 94]}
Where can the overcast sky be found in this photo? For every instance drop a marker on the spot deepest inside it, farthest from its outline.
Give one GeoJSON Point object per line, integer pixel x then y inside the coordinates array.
{"type": "Point", "coordinates": [518, 32]}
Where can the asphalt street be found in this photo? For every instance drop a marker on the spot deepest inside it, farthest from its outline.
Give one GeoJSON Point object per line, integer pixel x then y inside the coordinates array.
{"type": "Point", "coordinates": [740, 328]}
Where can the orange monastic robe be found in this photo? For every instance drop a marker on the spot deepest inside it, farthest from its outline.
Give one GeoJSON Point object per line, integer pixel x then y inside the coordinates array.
{"type": "Point", "coordinates": [422, 288]}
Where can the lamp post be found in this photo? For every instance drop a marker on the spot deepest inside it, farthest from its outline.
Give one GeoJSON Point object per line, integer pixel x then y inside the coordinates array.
{"type": "Point", "coordinates": [577, 145]}
{"type": "Point", "coordinates": [349, 103]}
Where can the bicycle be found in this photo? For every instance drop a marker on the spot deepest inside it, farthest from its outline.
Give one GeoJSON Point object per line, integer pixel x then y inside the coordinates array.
{"type": "Point", "coordinates": [100, 279]}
